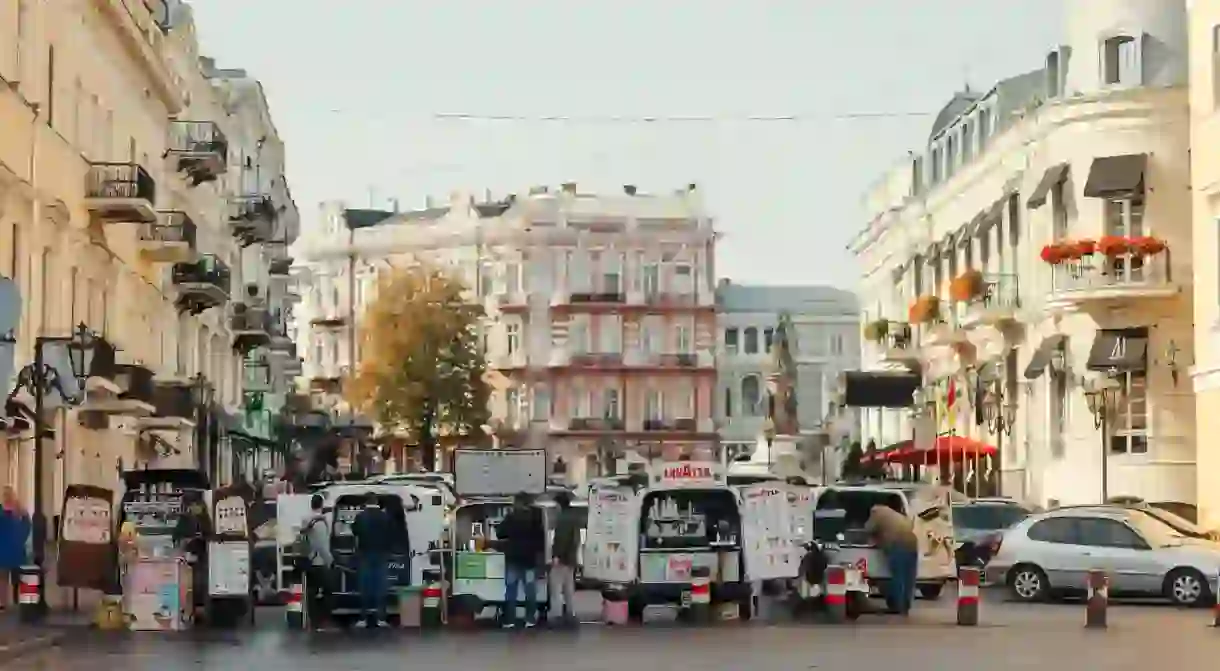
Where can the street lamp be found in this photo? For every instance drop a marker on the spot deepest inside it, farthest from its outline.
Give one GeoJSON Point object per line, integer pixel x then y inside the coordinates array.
{"type": "Point", "coordinates": [1102, 397]}
{"type": "Point", "coordinates": [39, 378]}
{"type": "Point", "coordinates": [999, 413]}
{"type": "Point", "coordinates": [202, 394]}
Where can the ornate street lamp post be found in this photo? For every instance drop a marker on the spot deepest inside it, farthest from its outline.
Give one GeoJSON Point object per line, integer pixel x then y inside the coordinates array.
{"type": "Point", "coordinates": [1102, 397]}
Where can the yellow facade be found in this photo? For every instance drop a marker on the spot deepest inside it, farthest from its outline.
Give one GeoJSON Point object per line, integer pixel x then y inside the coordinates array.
{"type": "Point", "coordinates": [98, 81]}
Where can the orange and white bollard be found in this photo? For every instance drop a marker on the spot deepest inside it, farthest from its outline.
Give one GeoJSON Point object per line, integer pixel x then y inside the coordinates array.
{"type": "Point", "coordinates": [294, 606]}
{"type": "Point", "coordinates": [1098, 600]}
{"type": "Point", "coordinates": [700, 611]}
{"type": "Point", "coordinates": [1216, 606]}
{"type": "Point", "coordinates": [835, 599]}
{"type": "Point", "coordinates": [29, 583]}
{"type": "Point", "coordinates": [431, 606]}
{"type": "Point", "coordinates": [968, 580]}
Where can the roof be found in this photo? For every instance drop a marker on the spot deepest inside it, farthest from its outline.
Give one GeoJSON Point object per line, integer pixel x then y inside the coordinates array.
{"type": "Point", "coordinates": [960, 102]}
{"type": "Point", "coordinates": [798, 300]}
{"type": "Point", "coordinates": [364, 218]}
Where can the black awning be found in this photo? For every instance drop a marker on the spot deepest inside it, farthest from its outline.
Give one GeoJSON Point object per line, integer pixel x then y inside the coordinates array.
{"type": "Point", "coordinates": [1052, 176]}
{"type": "Point", "coordinates": [1042, 356]}
{"type": "Point", "coordinates": [880, 389]}
{"type": "Point", "coordinates": [1116, 176]}
{"type": "Point", "coordinates": [1121, 350]}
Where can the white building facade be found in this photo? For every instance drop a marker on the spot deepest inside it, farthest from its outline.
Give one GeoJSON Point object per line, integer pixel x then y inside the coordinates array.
{"type": "Point", "coordinates": [1037, 252]}
{"type": "Point", "coordinates": [826, 343]}
{"type": "Point", "coordinates": [600, 310]}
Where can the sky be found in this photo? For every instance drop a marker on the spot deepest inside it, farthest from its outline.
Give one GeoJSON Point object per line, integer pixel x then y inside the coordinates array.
{"type": "Point", "coordinates": [359, 88]}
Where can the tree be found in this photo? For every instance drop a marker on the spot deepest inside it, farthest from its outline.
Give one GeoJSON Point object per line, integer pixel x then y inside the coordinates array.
{"type": "Point", "coordinates": [421, 365]}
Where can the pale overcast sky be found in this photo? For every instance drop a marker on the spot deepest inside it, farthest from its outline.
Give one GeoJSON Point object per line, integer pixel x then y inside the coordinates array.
{"type": "Point", "coordinates": [355, 86]}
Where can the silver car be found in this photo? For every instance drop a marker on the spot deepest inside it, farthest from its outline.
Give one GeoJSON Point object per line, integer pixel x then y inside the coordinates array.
{"type": "Point", "coordinates": [1054, 551]}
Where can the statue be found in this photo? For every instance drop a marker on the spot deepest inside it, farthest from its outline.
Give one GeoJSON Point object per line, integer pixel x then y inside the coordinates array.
{"type": "Point", "coordinates": [781, 387]}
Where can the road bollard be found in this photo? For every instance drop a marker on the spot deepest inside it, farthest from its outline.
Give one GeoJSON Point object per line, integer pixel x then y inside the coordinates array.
{"type": "Point", "coordinates": [968, 596]}
{"type": "Point", "coordinates": [294, 606]}
{"type": "Point", "coordinates": [28, 585]}
{"type": "Point", "coordinates": [700, 610]}
{"type": "Point", "coordinates": [430, 606]}
{"type": "Point", "coordinates": [835, 599]}
{"type": "Point", "coordinates": [1098, 600]}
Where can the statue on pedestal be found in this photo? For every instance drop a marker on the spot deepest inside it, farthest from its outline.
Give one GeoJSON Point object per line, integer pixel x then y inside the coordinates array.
{"type": "Point", "coordinates": [781, 382]}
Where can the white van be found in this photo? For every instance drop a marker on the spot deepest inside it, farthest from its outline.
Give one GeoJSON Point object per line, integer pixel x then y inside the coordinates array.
{"type": "Point", "coordinates": [647, 531]}
{"type": "Point", "coordinates": [929, 507]}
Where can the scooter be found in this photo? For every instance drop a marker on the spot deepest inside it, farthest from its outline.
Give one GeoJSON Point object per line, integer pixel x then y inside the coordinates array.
{"type": "Point", "coordinates": [811, 587]}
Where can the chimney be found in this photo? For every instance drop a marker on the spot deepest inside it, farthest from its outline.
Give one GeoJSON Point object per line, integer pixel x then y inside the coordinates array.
{"type": "Point", "coordinates": [569, 187]}
{"type": "Point", "coordinates": [487, 195]}
{"type": "Point", "coordinates": [427, 202]}
{"type": "Point", "coordinates": [692, 187]}
{"type": "Point", "coordinates": [537, 190]}
{"type": "Point", "coordinates": [395, 202]}
{"type": "Point", "coordinates": [629, 189]}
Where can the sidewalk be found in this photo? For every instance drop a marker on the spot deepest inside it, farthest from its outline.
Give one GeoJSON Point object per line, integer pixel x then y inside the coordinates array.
{"type": "Point", "coordinates": [17, 638]}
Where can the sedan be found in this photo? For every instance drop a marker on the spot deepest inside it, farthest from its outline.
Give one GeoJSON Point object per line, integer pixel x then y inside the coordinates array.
{"type": "Point", "coordinates": [1053, 552]}
{"type": "Point", "coordinates": [979, 525]}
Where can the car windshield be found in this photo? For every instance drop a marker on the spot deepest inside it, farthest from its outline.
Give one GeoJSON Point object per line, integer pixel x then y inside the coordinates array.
{"type": "Point", "coordinates": [987, 517]}
{"type": "Point", "coordinates": [1156, 532]}
{"type": "Point", "coordinates": [1180, 524]}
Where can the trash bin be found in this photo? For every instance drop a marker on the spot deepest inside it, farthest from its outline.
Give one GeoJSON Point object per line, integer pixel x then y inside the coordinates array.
{"type": "Point", "coordinates": [29, 588]}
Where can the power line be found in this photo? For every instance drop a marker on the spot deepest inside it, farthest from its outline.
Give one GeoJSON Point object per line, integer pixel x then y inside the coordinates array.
{"type": "Point", "coordinates": [679, 118]}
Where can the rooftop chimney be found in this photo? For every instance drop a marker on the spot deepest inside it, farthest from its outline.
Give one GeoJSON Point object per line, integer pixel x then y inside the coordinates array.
{"type": "Point", "coordinates": [692, 187]}
{"type": "Point", "coordinates": [569, 187]}
{"type": "Point", "coordinates": [629, 189]}
{"type": "Point", "coordinates": [536, 190]}
{"type": "Point", "coordinates": [428, 202]}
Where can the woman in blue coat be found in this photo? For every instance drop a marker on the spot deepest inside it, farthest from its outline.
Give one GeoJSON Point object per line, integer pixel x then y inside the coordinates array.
{"type": "Point", "coordinates": [14, 532]}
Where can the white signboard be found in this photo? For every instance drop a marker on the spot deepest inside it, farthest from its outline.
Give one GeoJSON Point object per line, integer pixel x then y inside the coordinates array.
{"type": "Point", "coordinates": [229, 569]}
{"type": "Point", "coordinates": [230, 516]}
{"type": "Point", "coordinates": [499, 472]}
{"type": "Point", "coordinates": [689, 474]}
{"type": "Point", "coordinates": [87, 520]}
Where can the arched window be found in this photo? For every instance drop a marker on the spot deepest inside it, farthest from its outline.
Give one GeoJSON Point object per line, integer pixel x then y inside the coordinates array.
{"type": "Point", "coordinates": [751, 341]}
{"type": "Point", "coordinates": [751, 394]}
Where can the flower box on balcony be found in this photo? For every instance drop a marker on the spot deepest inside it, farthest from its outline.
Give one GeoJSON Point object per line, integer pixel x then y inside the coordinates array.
{"type": "Point", "coordinates": [1114, 246]}
{"type": "Point", "coordinates": [876, 330]}
{"type": "Point", "coordinates": [1145, 245]}
{"type": "Point", "coordinates": [967, 286]}
{"type": "Point", "coordinates": [924, 310]}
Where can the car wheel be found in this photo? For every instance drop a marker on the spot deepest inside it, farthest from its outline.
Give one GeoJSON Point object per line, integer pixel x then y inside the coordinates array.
{"type": "Point", "coordinates": [930, 592]}
{"type": "Point", "coordinates": [1187, 587]}
{"type": "Point", "coordinates": [1028, 583]}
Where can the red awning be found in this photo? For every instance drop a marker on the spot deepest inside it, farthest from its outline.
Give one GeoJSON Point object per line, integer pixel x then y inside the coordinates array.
{"type": "Point", "coordinates": [950, 449]}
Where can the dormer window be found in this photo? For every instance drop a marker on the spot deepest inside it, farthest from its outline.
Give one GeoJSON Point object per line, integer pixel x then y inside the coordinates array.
{"type": "Point", "coordinates": [950, 156]}
{"type": "Point", "coordinates": [1121, 61]}
{"type": "Point", "coordinates": [936, 165]}
{"type": "Point", "coordinates": [984, 128]}
{"type": "Point", "coordinates": [967, 142]}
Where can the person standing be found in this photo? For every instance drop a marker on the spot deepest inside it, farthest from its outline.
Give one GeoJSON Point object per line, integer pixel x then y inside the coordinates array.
{"type": "Point", "coordinates": [522, 539]}
{"type": "Point", "coordinates": [318, 571]}
{"type": "Point", "coordinates": [14, 534]}
{"type": "Point", "coordinates": [372, 530]}
{"type": "Point", "coordinates": [894, 533]}
{"type": "Point", "coordinates": [565, 553]}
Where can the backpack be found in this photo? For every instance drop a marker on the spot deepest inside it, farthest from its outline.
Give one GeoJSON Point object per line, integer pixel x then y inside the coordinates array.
{"type": "Point", "coordinates": [302, 547]}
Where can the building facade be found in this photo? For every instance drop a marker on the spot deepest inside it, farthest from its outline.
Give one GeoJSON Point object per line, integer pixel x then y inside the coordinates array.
{"type": "Point", "coordinates": [121, 169]}
{"type": "Point", "coordinates": [826, 344]}
{"type": "Point", "coordinates": [1035, 252]}
{"type": "Point", "coordinates": [1205, 176]}
{"type": "Point", "coordinates": [600, 310]}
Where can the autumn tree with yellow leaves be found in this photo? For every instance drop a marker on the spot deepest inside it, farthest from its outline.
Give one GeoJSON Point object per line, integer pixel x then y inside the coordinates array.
{"type": "Point", "coordinates": [421, 368]}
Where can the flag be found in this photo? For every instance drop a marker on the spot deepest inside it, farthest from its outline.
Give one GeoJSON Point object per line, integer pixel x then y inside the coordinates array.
{"type": "Point", "coordinates": [951, 404]}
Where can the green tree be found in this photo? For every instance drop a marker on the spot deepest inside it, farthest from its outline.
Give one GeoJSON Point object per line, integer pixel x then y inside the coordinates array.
{"type": "Point", "coordinates": [421, 369]}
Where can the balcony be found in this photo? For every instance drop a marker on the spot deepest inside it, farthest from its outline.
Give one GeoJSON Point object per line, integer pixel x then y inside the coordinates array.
{"type": "Point", "coordinates": [256, 375]}
{"type": "Point", "coordinates": [252, 219]}
{"type": "Point", "coordinates": [251, 326]}
{"type": "Point", "coordinates": [1101, 280]}
{"type": "Point", "coordinates": [120, 193]}
{"type": "Point", "coordinates": [330, 319]}
{"type": "Point", "coordinates": [202, 284]}
{"type": "Point", "coordinates": [326, 382]}
{"type": "Point", "coordinates": [899, 344]}
{"type": "Point", "coordinates": [605, 297]}
{"type": "Point", "coordinates": [998, 303]}
{"type": "Point", "coordinates": [508, 302]}
{"type": "Point", "coordinates": [174, 407]}
{"type": "Point", "coordinates": [135, 397]}
{"type": "Point", "coordinates": [675, 362]}
{"type": "Point", "coordinates": [280, 267]}
{"type": "Point", "coordinates": [198, 149]}
{"type": "Point", "coordinates": [596, 424]}
{"type": "Point", "coordinates": [596, 360]}
{"type": "Point", "coordinates": [683, 425]}
{"type": "Point", "coordinates": [170, 239]}
{"type": "Point", "coordinates": [508, 362]}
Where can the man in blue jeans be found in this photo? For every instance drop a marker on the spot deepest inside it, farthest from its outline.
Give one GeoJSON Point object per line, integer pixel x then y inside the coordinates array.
{"type": "Point", "coordinates": [522, 539]}
{"type": "Point", "coordinates": [373, 530]}
{"type": "Point", "coordinates": [894, 533]}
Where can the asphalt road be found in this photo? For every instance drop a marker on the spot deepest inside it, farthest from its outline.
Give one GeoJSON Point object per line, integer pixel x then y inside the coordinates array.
{"type": "Point", "coordinates": [1011, 637]}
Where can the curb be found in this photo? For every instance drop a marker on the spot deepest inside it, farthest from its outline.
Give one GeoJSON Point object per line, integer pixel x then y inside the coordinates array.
{"type": "Point", "coordinates": [26, 646]}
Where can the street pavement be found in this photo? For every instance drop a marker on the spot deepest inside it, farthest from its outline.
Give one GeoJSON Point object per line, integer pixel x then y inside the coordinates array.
{"type": "Point", "coordinates": [1010, 636]}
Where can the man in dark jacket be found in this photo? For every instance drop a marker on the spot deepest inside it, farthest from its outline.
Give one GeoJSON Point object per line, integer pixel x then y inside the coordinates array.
{"type": "Point", "coordinates": [373, 532]}
{"type": "Point", "coordinates": [523, 541]}
{"type": "Point", "coordinates": [565, 556]}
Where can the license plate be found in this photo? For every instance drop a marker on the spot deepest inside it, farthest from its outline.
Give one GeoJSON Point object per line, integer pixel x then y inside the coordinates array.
{"type": "Point", "coordinates": [685, 599]}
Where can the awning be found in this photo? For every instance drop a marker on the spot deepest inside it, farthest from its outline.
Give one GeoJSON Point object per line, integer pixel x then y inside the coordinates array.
{"type": "Point", "coordinates": [1116, 176]}
{"type": "Point", "coordinates": [1052, 176]}
{"type": "Point", "coordinates": [949, 449]}
{"type": "Point", "coordinates": [1122, 350]}
{"type": "Point", "coordinates": [879, 389]}
{"type": "Point", "coordinates": [1042, 356]}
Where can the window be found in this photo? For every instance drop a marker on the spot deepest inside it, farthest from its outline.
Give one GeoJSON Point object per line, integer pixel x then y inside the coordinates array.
{"type": "Point", "coordinates": [1107, 533]}
{"type": "Point", "coordinates": [936, 167]}
{"type": "Point", "coordinates": [1129, 430]}
{"type": "Point", "coordinates": [512, 338]}
{"type": "Point", "coordinates": [950, 156]}
{"type": "Point", "coordinates": [917, 176]}
{"type": "Point", "coordinates": [730, 335]}
{"type": "Point", "coordinates": [654, 405]}
{"type": "Point", "coordinates": [984, 128]}
{"type": "Point", "coordinates": [512, 405]}
{"type": "Point", "coordinates": [1054, 530]}
{"type": "Point", "coordinates": [610, 334]}
{"type": "Point", "coordinates": [685, 344]}
{"type": "Point", "coordinates": [612, 274]}
{"type": "Point", "coordinates": [1059, 211]}
{"type": "Point", "coordinates": [1125, 217]}
{"type": "Point", "coordinates": [652, 279]}
{"type": "Point", "coordinates": [728, 401]}
{"type": "Point", "coordinates": [684, 404]}
{"type": "Point", "coordinates": [751, 395]}
{"type": "Point", "coordinates": [487, 278]}
{"type": "Point", "coordinates": [1058, 383]}
{"type": "Point", "coordinates": [610, 404]}
{"type": "Point", "coordinates": [768, 338]}
{"type": "Point", "coordinates": [683, 279]}
{"type": "Point", "coordinates": [967, 142]}
{"type": "Point", "coordinates": [1121, 64]}
{"type": "Point", "coordinates": [1052, 75]}
{"type": "Point", "coordinates": [751, 346]}
{"type": "Point", "coordinates": [649, 338]}
{"type": "Point", "coordinates": [578, 334]}
{"type": "Point", "coordinates": [542, 403]}
{"type": "Point", "coordinates": [512, 277]}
